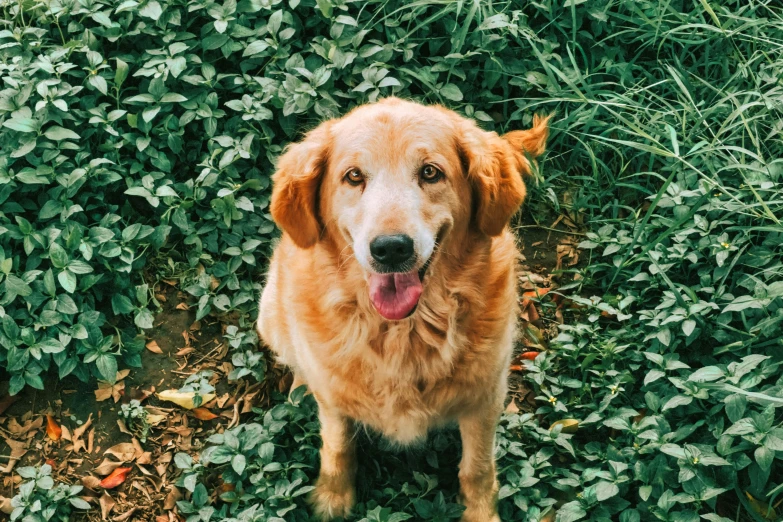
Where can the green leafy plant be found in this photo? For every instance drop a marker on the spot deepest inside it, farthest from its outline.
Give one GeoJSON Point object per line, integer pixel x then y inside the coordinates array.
{"type": "Point", "coordinates": [199, 385]}
{"type": "Point", "coordinates": [135, 417]}
{"type": "Point", "coordinates": [40, 499]}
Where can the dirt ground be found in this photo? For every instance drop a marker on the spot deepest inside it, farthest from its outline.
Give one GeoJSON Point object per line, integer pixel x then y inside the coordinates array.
{"type": "Point", "coordinates": [94, 442]}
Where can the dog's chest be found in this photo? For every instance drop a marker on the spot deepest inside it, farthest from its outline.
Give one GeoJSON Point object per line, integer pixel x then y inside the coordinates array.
{"type": "Point", "coordinates": [398, 384]}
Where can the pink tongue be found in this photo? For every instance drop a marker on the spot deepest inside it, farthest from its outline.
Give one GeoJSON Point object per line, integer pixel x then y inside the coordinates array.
{"type": "Point", "coordinates": [395, 295]}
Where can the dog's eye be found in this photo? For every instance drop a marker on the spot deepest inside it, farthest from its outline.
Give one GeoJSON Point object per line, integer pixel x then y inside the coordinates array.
{"type": "Point", "coordinates": [354, 177]}
{"type": "Point", "coordinates": [430, 174]}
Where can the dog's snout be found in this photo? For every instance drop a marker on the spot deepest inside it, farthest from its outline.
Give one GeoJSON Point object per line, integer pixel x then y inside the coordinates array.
{"type": "Point", "coordinates": [392, 250]}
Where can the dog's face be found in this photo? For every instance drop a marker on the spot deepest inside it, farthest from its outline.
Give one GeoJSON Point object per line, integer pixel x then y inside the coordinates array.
{"type": "Point", "coordinates": [392, 181]}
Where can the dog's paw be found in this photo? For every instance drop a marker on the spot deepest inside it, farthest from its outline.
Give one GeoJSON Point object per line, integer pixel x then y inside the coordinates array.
{"type": "Point", "coordinates": [332, 498]}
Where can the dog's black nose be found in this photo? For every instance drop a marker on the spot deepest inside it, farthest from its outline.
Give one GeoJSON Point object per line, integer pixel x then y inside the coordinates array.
{"type": "Point", "coordinates": [392, 251]}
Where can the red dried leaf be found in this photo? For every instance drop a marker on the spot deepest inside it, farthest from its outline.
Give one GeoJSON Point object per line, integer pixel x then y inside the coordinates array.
{"type": "Point", "coordinates": [204, 414]}
{"type": "Point", "coordinates": [528, 356]}
{"type": "Point", "coordinates": [116, 478]}
{"type": "Point", "coordinates": [53, 430]}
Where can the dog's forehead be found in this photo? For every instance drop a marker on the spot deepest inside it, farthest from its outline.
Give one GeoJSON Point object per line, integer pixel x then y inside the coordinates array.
{"type": "Point", "coordinates": [402, 128]}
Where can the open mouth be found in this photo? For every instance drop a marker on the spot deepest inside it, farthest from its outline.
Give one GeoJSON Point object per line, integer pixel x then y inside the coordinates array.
{"type": "Point", "coordinates": [396, 295]}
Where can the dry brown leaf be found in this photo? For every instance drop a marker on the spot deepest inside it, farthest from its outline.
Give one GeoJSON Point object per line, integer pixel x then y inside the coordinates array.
{"type": "Point", "coordinates": [91, 482]}
{"type": "Point", "coordinates": [153, 347]}
{"type": "Point", "coordinates": [29, 425]}
{"type": "Point", "coordinates": [123, 429]}
{"type": "Point", "coordinates": [78, 432]}
{"type": "Point", "coordinates": [171, 499]}
{"type": "Point", "coordinates": [145, 458]}
{"type": "Point", "coordinates": [183, 306]}
{"type": "Point", "coordinates": [5, 505]}
{"type": "Point", "coordinates": [18, 450]}
{"type": "Point", "coordinates": [106, 467]}
{"type": "Point", "coordinates": [108, 391]}
{"type": "Point", "coordinates": [162, 518]}
{"type": "Point", "coordinates": [186, 350]}
{"type": "Point", "coordinates": [162, 463]}
{"type": "Point", "coordinates": [90, 440]}
{"type": "Point", "coordinates": [53, 430]}
{"type": "Point", "coordinates": [124, 452]}
{"type": "Point", "coordinates": [107, 504]}
{"type": "Point", "coordinates": [512, 407]}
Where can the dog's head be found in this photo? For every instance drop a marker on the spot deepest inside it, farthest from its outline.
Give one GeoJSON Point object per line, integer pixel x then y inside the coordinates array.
{"type": "Point", "coordinates": [395, 180]}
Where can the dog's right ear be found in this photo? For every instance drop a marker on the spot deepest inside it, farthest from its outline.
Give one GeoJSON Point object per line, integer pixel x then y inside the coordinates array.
{"type": "Point", "coordinates": [296, 183]}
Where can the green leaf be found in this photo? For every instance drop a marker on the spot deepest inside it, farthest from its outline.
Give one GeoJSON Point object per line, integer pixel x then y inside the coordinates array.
{"type": "Point", "coordinates": [121, 73]}
{"type": "Point", "coordinates": [67, 280]}
{"type": "Point", "coordinates": [107, 366]}
{"type": "Point", "coordinates": [238, 463]}
{"type": "Point", "coordinates": [58, 255]}
{"type": "Point", "coordinates": [56, 133]}
{"type": "Point", "coordinates": [17, 286]}
{"type": "Point", "coordinates": [99, 82]}
{"type": "Point", "coordinates": [79, 503]}
{"type": "Point", "coordinates": [144, 319]}
{"type": "Point", "coordinates": [605, 490]}
{"type": "Point", "coordinates": [735, 406]}
{"type": "Point", "coordinates": [706, 374]}
{"type": "Point", "coordinates": [151, 10]}
{"type": "Point", "coordinates": [451, 92]}
{"type": "Point", "coordinates": [21, 124]}
{"type": "Point", "coordinates": [676, 401]}
{"type": "Point", "coordinates": [570, 512]}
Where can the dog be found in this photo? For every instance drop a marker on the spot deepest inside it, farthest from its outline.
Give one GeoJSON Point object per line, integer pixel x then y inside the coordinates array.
{"type": "Point", "coordinates": [392, 294]}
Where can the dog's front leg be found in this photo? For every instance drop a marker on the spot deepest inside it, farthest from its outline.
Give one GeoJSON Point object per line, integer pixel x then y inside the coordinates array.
{"type": "Point", "coordinates": [335, 493]}
{"type": "Point", "coordinates": [477, 474]}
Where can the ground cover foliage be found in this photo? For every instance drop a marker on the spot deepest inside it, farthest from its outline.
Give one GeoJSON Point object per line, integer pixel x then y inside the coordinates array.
{"type": "Point", "coordinates": [137, 140]}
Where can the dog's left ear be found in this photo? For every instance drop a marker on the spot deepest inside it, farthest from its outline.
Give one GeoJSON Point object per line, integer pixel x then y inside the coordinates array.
{"type": "Point", "coordinates": [296, 183]}
{"type": "Point", "coordinates": [495, 168]}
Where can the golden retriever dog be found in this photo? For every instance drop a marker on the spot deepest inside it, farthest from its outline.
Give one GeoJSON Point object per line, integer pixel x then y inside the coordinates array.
{"type": "Point", "coordinates": [393, 292]}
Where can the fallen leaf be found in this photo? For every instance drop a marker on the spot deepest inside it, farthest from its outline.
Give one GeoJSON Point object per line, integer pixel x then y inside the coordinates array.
{"type": "Point", "coordinates": [107, 467]}
{"type": "Point", "coordinates": [162, 518]}
{"type": "Point", "coordinates": [53, 430]}
{"type": "Point", "coordinates": [90, 482]}
{"type": "Point", "coordinates": [18, 450]}
{"type": "Point", "coordinates": [182, 306]}
{"type": "Point", "coordinates": [124, 452]}
{"type": "Point", "coordinates": [183, 399]}
{"type": "Point", "coordinates": [107, 504]}
{"type": "Point", "coordinates": [569, 425]}
{"type": "Point", "coordinates": [107, 390]}
{"type": "Point", "coordinates": [116, 478]}
{"type": "Point", "coordinates": [186, 350]}
{"type": "Point", "coordinates": [512, 407]}
{"type": "Point", "coordinates": [528, 356]}
{"type": "Point", "coordinates": [204, 414]}
{"type": "Point", "coordinates": [153, 347]}
{"type": "Point", "coordinates": [171, 499]}
{"type": "Point", "coordinates": [5, 505]}
{"type": "Point", "coordinates": [123, 429]}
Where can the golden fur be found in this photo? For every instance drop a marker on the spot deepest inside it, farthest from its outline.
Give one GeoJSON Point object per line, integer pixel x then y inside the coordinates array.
{"type": "Point", "coordinates": [449, 360]}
